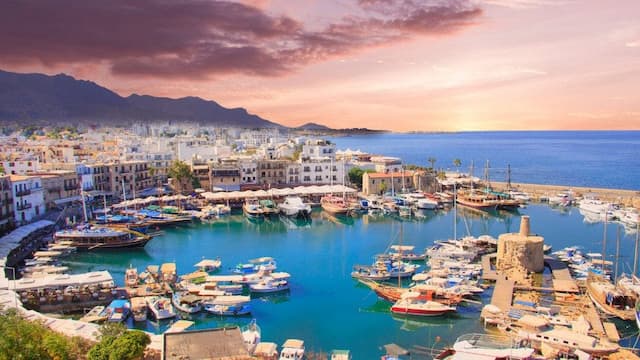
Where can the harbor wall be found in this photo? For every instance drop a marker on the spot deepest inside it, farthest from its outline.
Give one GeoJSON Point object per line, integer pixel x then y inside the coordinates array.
{"type": "Point", "coordinates": [625, 197]}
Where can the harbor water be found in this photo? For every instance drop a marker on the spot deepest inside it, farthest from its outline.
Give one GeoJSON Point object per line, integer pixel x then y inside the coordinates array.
{"type": "Point", "coordinates": [326, 307]}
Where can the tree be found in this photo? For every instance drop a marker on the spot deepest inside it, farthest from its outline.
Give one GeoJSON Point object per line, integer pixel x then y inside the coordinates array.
{"type": "Point", "coordinates": [383, 188]}
{"type": "Point", "coordinates": [355, 176]}
{"type": "Point", "coordinates": [182, 176]}
{"type": "Point", "coordinates": [432, 161]}
{"type": "Point", "coordinates": [457, 163]}
{"type": "Point", "coordinates": [118, 343]}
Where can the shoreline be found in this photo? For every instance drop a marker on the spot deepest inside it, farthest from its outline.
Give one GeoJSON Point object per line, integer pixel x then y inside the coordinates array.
{"type": "Point", "coordinates": [621, 196]}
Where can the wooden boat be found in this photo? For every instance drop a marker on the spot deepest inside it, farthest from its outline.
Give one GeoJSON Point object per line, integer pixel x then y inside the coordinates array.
{"type": "Point", "coordinates": [228, 310]}
{"type": "Point", "coordinates": [609, 299]}
{"type": "Point", "coordinates": [334, 205]}
{"type": "Point", "coordinates": [420, 306]}
{"type": "Point", "coordinates": [363, 272]}
{"type": "Point", "coordinates": [406, 253]}
{"type": "Point", "coordinates": [96, 314]}
{"type": "Point", "coordinates": [131, 277]}
{"type": "Point", "coordinates": [268, 207]}
{"type": "Point", "coordinates": [139, 309]}
{"type": "Point", "coordinates": [93, 238]}
{"type": "Point", "coordinates": [207, 265]}
{"type": "Point", "coordinates": [479, 200]}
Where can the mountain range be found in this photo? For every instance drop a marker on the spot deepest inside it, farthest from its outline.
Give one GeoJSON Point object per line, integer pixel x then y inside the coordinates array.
{"type": "Point", "coordinates": [38, 99]}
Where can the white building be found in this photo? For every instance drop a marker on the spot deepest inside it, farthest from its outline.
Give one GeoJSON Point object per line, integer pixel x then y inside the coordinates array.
{"type": "Point", "coordinates": [248, 171]}
{"type": "Point", "coordinates": [386, 164]}
{"type": "Point", "coordinates": [86, 177]}
{"type": "Point", "coordinates": [318, 148]}
{"type": "Point", "coordinates": [320, 171]}
{"type": "Point", "coordinates": [28, 197]}
{"type": "Point", "coordinates": [20, 166]}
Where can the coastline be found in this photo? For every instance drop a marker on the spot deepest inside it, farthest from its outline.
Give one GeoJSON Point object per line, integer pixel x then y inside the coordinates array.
{"type": "Point", "coordinates": [621, 196]}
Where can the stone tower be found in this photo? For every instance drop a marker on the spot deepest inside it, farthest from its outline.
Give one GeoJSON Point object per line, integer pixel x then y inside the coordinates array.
{"type": "Point", "coordinates": [520, 253]}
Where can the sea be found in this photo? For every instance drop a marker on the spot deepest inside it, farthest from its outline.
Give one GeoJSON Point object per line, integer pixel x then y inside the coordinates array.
{"type": "Point", "coordinates": [328, 309]}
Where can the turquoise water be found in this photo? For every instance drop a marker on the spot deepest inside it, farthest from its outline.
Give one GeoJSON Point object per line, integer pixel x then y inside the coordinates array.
{"type": "Point", "coordinates": [605, 159]}
{"type": "Point", "coordinates": [325, 307]}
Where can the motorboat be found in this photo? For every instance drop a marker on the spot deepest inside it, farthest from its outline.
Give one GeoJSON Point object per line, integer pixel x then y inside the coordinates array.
{"type": "Point", "coordinates": [139, 309]}
{"type": "Point", "coordinates": [292, 349]}
{"type": "Point", "coordinates": [294, 206]}
{"type": "Point", "coordinates": [370, 273]}
{"type": "Point", "coordinates": [265, 263]}
{"type": "Point", "coordinates": [420, 305]}
{"type": "Point", "coordinates": [209, 265]}
{"type": "Point", "coordinates": [484, 346]}
{"type": "Point", "coordinates": [252, 209]}
{"type": "Point", "coordinates": [269, 285]}
{"type": "Point", "coordinates": [406, 253]}
{"type": "Point", "coordinates": [228, 310]}
{"type": "Point", "coordinates": [251, 335]}
{"type": "Point", "coordinates": [161, 307]}
{"type": "Point", "coordinates": [186, 302]}
{"type": "Point", "coordinates": [427, 204]}
{"type": "Point", "coordinates": [118, 310]}
{"type": "Point", "coordinates": [131, 277]}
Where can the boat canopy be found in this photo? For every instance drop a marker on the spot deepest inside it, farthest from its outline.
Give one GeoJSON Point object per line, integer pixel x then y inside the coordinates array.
{"type": "Point", "coordinates": [402, 247]}
{"type": "Point", "coordinates": [261, 260]}
{"type": "Point", "coordinates": [207, 263]}
{"type": "Point", "coordinates": [266, 349]}
{"type": "Point", "coordinates": [293, 343]}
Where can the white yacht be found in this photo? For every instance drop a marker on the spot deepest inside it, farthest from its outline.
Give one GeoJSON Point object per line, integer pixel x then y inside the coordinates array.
{"type": "Point", "coordinates": [294, 206]}
{"type": "Point", "coordinates": [160, 307]}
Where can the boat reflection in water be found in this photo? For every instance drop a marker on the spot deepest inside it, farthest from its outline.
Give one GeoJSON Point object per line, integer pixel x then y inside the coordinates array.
{"type": "Point", "coordinates": [337, 219]}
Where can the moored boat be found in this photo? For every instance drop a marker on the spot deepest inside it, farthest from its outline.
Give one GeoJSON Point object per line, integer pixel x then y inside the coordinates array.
{"type": "Point", "coordinates": [139, 309]}
{"type": "Point", "coordinates": [186, 302]}
{"type": "Point", "coordinates": [295, 207]}
{"type": "Point", "coordinates": [268, 207]}
{"type": "Point", "coordinates": [484, 346]}
{"type": "Point", "coordinates": [118, 310]}
{"type": "Point", "coordinates": [269, 285]}
{"type": "Point", "coordinates": [292, 349]}
{"type": "Point", "coordinates": [161, 307]}
{"type": "Point", "coordinates": [420, 306]}
{"type": "Point", "coordinates": [92, 238]}
{"type": "Point", "coordinates": [609, 299]}
{"type": "Point", "coordinates": [228, 310]}
{"type": "Point", "coordinates": [252, 209]}
{"type": "Point", "coordinates": [334, 205]}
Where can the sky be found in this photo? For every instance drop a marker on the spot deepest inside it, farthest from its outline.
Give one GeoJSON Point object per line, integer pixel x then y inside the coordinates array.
{"type": "Point", "coordinates": [402, 65]}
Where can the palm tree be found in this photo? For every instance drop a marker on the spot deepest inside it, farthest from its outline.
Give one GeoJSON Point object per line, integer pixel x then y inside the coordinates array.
{"type": "Point", "coordinates": [457, 163]}
{"type": "Point", "coordinates": [181, 173]}
{"type": "Point", "coordinates": [432, 161]}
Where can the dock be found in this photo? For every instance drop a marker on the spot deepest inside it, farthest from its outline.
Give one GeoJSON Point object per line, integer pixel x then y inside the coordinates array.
{"type": "Point", "coordinates": [562, 279]}
{"type": "Point", "coordinates": [488, 273]}
{"type": "Point", "coordinates": [503, 293]}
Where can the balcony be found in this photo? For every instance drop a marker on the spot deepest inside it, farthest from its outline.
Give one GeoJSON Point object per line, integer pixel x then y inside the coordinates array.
{"type": "Point", "coordinates": [71, 187]}
{"type": "Point", "coordinates": [23, 192]}
{"type": "Point", "coordinates": [24, 206]}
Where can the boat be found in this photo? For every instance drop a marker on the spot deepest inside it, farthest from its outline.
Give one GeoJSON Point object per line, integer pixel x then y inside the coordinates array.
{"type": "Point", "coordinates": [637, 308]}
{"type": "Point", "coordinates": [139, 308]}
{"type": "Point", "coordinates": [420, 305]}
{"type": "Point", "coordinates": [251, 335]}
{"type": "Point", "coordinates": [563, 198]}
{"type": "Point", "coordinates": [334, 205]}
{"type": "Point", "coordinates": [404, 210]}
{"type": "Point", "coordinates": [609, 299]}
{"type": "Point", "coordinates": [427, 204]}
{"type": "Point", "coordinates": [269, 285]}
{"type": "Point", "coordinates": [365, 272]}
{"type": "Point", "coordinates": [265, 263]}
{"type": "Point", "coordinates": [294, 206]}
{"type": "Point", "coordinates": [207, 265]}
{"type": "Point", "coordinates": [131, 277]}
{"type": "Point", "coordinates": [268, 207]}
{"type": "Point", "coordinates": [92, 238]}
{"type": "Point", "coordinates": [292, 349]}
{"type": "Point", "coordinates": [266, 351]}
{"type": "Point", "coordinates": [478, 200]}
{"type": "Point", "coordinates": [118, 310]}
{"type": "Point", "coordinates": [406, 253]}
{"type": "Point", "coordinates": [96, 314]}
{"type": "Point", "coordinates": [228, 310]}
{"type": "Point", "coordinates": [186, 302]}
{"type": "Point", "coordinates": [161, 307]}
{"type": "Point", "coordinates": [252, 209]}
{"type": "Point", "coordinates": [486, 347]}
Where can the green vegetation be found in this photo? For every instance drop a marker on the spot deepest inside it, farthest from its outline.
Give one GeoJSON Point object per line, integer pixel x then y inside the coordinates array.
{"type": "Point", "coordinates": [416, 167]}
{"type": "Point", "coordinates": [457, 163]}
{"type": "Point", "coordinates": [117, 343]}
{"type": "Point", "coordinates": [23, 339]}
{"type": "Point", "coordinates": [182, 175]}
{"type": "Point", "coordinates": [432, 161]}
{"type": "Point", "coordinates": [355, 176]}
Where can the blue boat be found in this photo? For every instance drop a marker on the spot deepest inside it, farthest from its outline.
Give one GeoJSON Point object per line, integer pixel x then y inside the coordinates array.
{"type": "Point", "coordinates": [117, 311]}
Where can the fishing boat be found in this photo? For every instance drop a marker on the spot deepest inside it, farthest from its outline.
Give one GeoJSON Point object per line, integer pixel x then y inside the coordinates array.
{"type": "Point", "coordinates": [406, 253]}
{"type": "Point", "coordinates": [609, 299]}
{"type": "Point", "coordinates": [93, 238]}
{"type": "Point", "coordinates": [269, 285]}
{"type": "Point", "coordinates": [340, 355]}
{"type": "Point", "coordinates": [292, 349]}
{"type": "Point", "coordinates": [268, 207]}
{"type": "Point", "coordinates": [228, 310]}
{"type": "Point", "coordinates": [131, 277]}
{"type": "Point", "coordinates": [208, 265]}
{"type": "Point", "coordinates": [139, 309]}
{"type": "Point", "coordinates": [366, 272]}
{"type": "Point", "coordinates": [96, 314]}
{"type": "Point", "coordinates": [265, 263]}
{"type": "Point", "coordinates": [427, 203]}
{"type": "Point", "coordinates": [334, 205]}
{"type": "Point", "coordinates": [420, 306]}
{"type": "Point", "coordinates": [186, 302]}
{"type": "Point", "coordinates": [252, 209]}
{"type": "Point", "coordinates": [161, 307]}
{"type": "Point", "coordinates": [118, 310]}
{"type": "Point", "coordinates": [294, 206]}
{"type": "Point", "coordinates": [478, 200]}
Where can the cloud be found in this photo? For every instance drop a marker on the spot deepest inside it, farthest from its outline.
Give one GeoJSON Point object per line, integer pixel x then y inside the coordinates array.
{"type": "Point", "coordinates": [632, 44]}
{"type": "Point", "coordinates": [198, 39]}
{"type": "Point", "coordinates": [526, 4]}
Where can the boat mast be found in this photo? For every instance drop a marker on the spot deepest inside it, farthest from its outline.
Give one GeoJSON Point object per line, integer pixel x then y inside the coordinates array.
{"type": "Point", "coordinates": [615, 274]}
{"type": "Point", "coordinates": [471, 174]}
{"type": "Point", "coordinates": [84, 206]}
{"type": "Point", "coordinates": [104, 205]}
{"type": "Point", "coordinates": [487, 184]}
{"type": "Point", "coordinates": [455, 211]}
{"type": "Point", "coordinates": [635, 256]}
{"type": "Point", "coordinates": [508, 177]}
{"type": "Point", "coordinates": [604, 246]}
{"type": "Point", "coordinates": [400, 259]}
{"type": "Point", "coordinates": [124, 194]}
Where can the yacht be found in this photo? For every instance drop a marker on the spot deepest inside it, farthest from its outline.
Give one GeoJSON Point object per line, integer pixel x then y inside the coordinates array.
{"type": "Point", "coordinates": [334, 205]}
{"type": "Point", "coordinates": [93, 238]}
{"type": "Point", "coordinates": [292, 349]}
{"type": "Point", "coordinates": [295, 207]}
{"type": "Point", "coordinates": [252, 209]}
{"type": "Point", "coordinates": [484, 346]}
{"type": "Point", "coordinates": [160, 307]}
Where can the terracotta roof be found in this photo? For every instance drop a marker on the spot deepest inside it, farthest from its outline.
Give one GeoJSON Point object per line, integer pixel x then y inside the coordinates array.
{"type": "Point", "coordinates": [388, 175]}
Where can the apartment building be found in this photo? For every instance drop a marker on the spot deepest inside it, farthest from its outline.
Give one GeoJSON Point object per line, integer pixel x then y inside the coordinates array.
{"type": "Point", "coordinates": [27, 196]}
{"type": "Point", "coordinates": [7, 217]}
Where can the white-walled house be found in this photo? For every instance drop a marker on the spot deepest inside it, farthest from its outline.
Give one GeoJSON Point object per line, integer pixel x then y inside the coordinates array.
{"type": "Point", "coordinates": [28, 197]}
